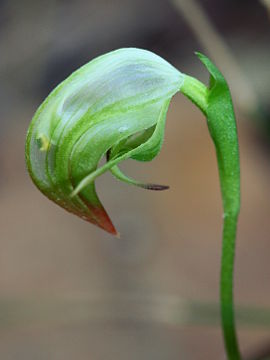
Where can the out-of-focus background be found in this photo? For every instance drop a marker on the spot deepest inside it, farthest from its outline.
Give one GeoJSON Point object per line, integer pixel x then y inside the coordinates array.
{"type": "Point", "coordinates": [67, 289]}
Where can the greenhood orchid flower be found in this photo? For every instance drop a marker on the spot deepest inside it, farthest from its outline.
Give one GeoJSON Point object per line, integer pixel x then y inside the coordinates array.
{"type": "Point", "coordinates": [115, 105]}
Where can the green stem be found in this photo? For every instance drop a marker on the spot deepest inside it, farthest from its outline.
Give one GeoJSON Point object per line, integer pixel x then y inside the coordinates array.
{"type": "Point", "coordinates": [195, 91]}
{"type": "Point", "coordinates": [215, 102]}
{"type": "Point", "coordinates": [226, 287]}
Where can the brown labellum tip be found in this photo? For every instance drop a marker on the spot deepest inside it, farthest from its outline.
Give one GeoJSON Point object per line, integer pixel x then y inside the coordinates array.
{"type": "Point", "coordinates": [155, 187]}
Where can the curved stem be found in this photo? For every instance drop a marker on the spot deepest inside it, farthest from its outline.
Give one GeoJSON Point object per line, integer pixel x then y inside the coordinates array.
{"type": "Point", "coordinates": [215, 102]}
{"type": "Point", "coordinates": [226, 287]}
{"type": "Point", "coordinates": [195, 91]}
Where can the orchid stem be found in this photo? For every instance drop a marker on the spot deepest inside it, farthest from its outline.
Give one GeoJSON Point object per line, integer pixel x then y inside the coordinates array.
{"type": "Point", "coordinates": [226, 287]}
{"type": "Point", "coordinates": [215, 102]}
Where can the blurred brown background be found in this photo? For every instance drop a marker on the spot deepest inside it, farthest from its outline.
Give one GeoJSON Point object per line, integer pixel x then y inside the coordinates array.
{"type": "Point", "coordinates": [69, 290]}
